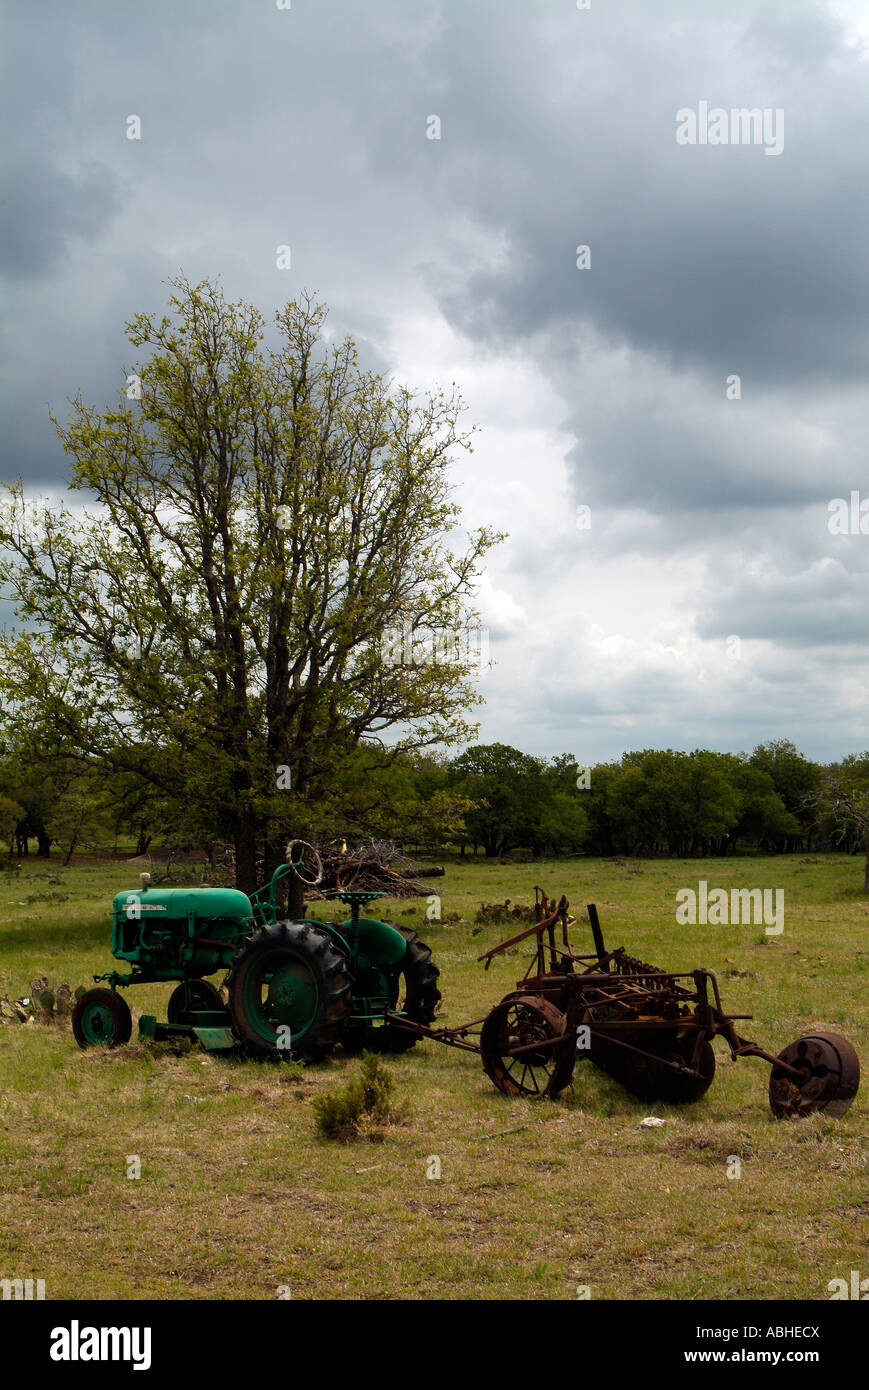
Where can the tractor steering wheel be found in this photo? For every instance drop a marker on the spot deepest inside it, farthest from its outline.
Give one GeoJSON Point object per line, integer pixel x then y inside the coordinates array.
{"type": "Point", "coordinates": [305, 861]}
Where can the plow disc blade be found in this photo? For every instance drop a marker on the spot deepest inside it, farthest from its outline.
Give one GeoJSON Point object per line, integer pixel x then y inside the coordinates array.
{"type": "Point", "coordinates": [650, 1078]}
{"type": "Point", "coordinates": [830, 1077]}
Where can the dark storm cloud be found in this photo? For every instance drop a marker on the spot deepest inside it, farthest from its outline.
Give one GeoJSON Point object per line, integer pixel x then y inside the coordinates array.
{"type": "Point", "coordinates": [256, 129]}
{"type": "Point", "coordinates": [42, 208]}
{"type": "Point", "coordinates": [703, 255]}
{"type": "Point", "coordinates": [824, 606]}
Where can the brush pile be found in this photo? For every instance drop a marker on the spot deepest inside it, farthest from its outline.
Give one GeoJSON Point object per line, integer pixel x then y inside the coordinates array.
{"type": "Point", "coordinates": [378, 866]}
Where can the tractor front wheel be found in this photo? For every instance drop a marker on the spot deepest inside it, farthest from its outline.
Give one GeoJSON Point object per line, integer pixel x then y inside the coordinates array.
{"type": "Point", "coordinates": [101, 1018]}
{"type": "Point", "coordinates": [289, 993]}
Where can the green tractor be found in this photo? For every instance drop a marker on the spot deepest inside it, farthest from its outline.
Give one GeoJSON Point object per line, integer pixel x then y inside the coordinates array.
{"type": "Point", "coordinates": [294, 988]}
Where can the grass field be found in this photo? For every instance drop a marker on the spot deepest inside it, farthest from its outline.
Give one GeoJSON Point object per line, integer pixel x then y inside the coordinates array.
{"type": "Point", "coordinates": [238, 1198]}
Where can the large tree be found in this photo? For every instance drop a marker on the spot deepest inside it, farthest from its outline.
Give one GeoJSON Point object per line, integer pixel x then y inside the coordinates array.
{"type": "Point", "coordinates": [260, 519]}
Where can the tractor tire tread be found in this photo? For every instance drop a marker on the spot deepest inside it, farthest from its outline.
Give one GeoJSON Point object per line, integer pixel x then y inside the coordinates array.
{"type": "Point", "coordinates": [331, 967]}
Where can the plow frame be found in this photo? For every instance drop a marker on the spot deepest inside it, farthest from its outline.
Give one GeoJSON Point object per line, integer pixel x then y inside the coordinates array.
{"type": "Point", "coordinates": [650, 1028]}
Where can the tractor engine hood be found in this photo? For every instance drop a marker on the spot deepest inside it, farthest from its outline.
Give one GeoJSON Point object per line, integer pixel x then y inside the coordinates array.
{"type": "Point", "coordinates": [176, 904]}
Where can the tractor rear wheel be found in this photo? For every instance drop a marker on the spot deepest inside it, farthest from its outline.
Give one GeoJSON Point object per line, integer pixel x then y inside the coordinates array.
{"type": "Point", "coordinates": [289, 992]}
{"type": "Point", "coordinates": [193, 995]}
{"type": "Point", "coordinates": [413, 991]}
{"type": "Point", "coordinates": [101, 1018]}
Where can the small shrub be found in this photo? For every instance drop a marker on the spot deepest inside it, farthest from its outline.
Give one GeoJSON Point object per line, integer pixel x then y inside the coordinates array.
{"type": "Point", "coordinates": [292, 1071]}
{"type": "Point", "coordinates": [361, 1104]}
{"type": "Point", "coordinates": [495, 913]}
{"type": "Point", "coordinates": [377, 1088]}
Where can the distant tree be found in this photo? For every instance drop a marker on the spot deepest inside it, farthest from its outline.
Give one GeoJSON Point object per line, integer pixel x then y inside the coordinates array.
{"type": "Point", "coordinates": [763, 819]}
{"type": "Point", "coordinates": [796, 780]}
{"type": "Point", "coordinates": [11, 815]}
{"type": "Point", "coordinates": [841, 805]}
{"type": "Point", "coordinates": [680, 802]}
{"type": "Point", "coordinates": [35, 773]}
{"type": "Point", "coordinates": [81, 817]}
{"type": "Point", "coordinates": [501, 783]}
{"type": "Point", "coordinates": [560, 823]}
{"type": "Point", "coordinates": [604, 836]}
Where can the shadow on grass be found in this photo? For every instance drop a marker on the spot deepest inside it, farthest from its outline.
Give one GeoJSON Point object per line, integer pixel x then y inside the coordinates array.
{"type": "Point", "coordinates": [21, 936]}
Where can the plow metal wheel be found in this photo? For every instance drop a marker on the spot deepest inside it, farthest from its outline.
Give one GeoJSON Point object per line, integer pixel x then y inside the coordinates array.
{"type": "Point", "coordinates": [506, 1047]}
{"type": "Point", "coordinates": [831, 1075]}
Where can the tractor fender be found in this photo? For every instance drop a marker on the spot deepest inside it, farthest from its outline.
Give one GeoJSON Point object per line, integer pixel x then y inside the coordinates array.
{"type": "Point", "coordinates": [377, 941]}
{"type": "Point", "coordinates": [382, 944]}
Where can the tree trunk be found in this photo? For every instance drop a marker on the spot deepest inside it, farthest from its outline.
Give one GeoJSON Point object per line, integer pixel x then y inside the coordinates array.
{"type": "Point", "coordinates": [296, 907]}
{"type": "Point", "coordinates": [866, 867]}
{"type": "Point", "coordinates": [273, 855]}
{"type": "Point", "coordinates": [244, 839]}
{"type": "Point", "coordinates": [293, 887]}
{"type": "Point", "coordinates": [275, 852]}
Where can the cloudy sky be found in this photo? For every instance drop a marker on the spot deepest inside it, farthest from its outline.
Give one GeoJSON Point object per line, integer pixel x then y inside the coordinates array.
{"type": "Point", "coordinates": [698, 383]}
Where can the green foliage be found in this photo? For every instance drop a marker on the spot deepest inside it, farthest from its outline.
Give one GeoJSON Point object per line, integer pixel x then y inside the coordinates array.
{"type": "Point", "coordinates": [11, 812]}
{"type": "Point", "coordinates": [360, 1105]}
{"type": "Point", "coordinates": [795, 780]}
{"type": "Point", "coordinates": [81, 818]}
{"type": "Point", "coordinates": [652, 802]}
{"type": "Point", "coordinates": [518, 800]}
{"type": "Point", "coordinates": [673, 801]}
{"type": "Point", "coordinates": [401, 797]}
{"type": "Point", "coordinates": [497, 779]}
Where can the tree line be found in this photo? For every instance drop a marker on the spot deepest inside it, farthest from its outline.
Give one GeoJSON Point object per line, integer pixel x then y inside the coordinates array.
{"type": "Point", "coordinates": [491, 799]}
